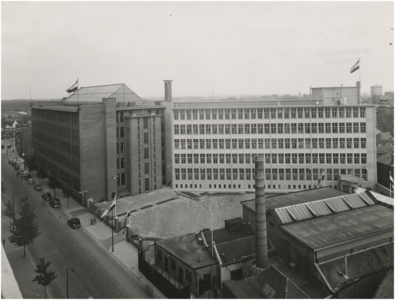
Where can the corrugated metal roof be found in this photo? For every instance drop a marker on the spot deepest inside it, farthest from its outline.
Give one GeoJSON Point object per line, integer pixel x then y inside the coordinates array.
{"type": "Point", "coordinates": [296, 198]}
{"type": "Point", "coordinates": [354, 201]}
{"type": "Point", "coordinates": [337, 204]}
{"type": "Point", "coordinates": [341, 227]}
{"type": "Point", "coordinates": [318, 208]}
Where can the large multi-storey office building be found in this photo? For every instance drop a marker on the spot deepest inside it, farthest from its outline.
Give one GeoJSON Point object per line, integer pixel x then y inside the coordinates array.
{"type": "Point", "coordinates": [215, 144]}
{"type": "Point", "coordinates": [102, 140]}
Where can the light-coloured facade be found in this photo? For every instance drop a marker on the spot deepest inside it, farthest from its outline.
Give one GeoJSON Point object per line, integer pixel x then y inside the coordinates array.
{"type": "Point", "coordinates": [214, 145]}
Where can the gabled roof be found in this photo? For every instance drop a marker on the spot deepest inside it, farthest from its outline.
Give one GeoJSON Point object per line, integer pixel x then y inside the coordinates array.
{"type": "Point", "coordinates": [296, 198]}
{"type": "Point", "coordinates": [273, 284]}
{"type": "Point", "coordinates": [358, 265]}
{"type": "Point", "coordinates": [96, 93]}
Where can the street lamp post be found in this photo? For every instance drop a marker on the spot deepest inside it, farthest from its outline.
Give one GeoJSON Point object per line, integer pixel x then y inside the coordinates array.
{"type": "Point", "coordinates": [13, 211]}
{"type": "Point", "coordinates": [67, 281]}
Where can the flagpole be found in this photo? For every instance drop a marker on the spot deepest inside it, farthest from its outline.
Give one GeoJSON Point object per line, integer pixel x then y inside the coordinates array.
{"type": "Point", "coordinates": [112, 228]}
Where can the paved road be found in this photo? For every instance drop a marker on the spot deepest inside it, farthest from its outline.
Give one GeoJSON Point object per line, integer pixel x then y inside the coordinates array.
{"type": "Point", "coordinates": [97, 273]}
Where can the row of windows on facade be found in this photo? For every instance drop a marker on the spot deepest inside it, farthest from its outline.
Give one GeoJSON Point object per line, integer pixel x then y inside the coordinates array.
{"type": "Point", "coordinates": [294, 143]}
{"type": "Point", "coordinates": [69, 179]}
{"type": "Point", "coordinates": [270, 174]}
{"type": "Point", "coordinates": [248, 186]}
{"type": "Point", "coordinates": [273, 158]}
{"type": "Point", "coordinates": [58, 145]}
{"type": "Point", "coordinates": [64, 160]}
{"type": "Point", "coordinates": [57, 131]}
{"type": "Point", "coordinates": [57, 116]}
{"type": "Point", "coordinates": [281, 128]}
{"type": "Point", "coordinates": [120, 117]}
{"type": "Point", "coordinates": [270, 113]}
{"type": "Point", "coordinates": [173, 266]}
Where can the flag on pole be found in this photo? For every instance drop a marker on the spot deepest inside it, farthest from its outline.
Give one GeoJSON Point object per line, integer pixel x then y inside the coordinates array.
{"type": "Point", "coordinates": [73, 88]}
{"type": "Point", "coordinates": [355, 67]}
{"type": "Point", "coordinates": [321, 178]}
{"type": "Point", "coordinates": [127, 216]}
{"type": "Point", "coordinates": [110, 208]}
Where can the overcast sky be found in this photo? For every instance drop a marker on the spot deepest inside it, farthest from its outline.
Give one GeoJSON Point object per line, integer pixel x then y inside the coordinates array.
{"type": "Point", "coordinates": [226, 48]}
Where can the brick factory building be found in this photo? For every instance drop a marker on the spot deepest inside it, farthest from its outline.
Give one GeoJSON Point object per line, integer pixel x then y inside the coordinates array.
{"type": "Point", "coordinates": [103, 140]}
{"type": "Point", "coordinates": [215, 144]}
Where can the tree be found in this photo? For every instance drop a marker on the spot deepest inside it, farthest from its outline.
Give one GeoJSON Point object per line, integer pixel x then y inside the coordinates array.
{"type": "Point", "coordinates": [30, 163]}
{"type": "Point", "coordinates": [44, 277]}
{"type": "Point", "coordinates": [54, 184]}
{"type": "Point", "coordinates": [9, 210]}
{"type": "Point", "coordinates": [26, 226]}
{"type": "Point", "coordinates": [41, 173]}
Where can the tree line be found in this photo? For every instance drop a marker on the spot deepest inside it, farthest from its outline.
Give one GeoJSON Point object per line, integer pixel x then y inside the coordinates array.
{"type": "Point", "coordinates": [25, 228]}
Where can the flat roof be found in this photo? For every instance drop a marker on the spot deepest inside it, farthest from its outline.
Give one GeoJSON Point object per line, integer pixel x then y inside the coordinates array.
{"type": "Point", "coordinates": [137, 107]}
{"type": "Point", "coordinates": [59, 108]}
{"type": "Point", "coordinates": [341, 227]}
{"type": "Point", "coordinates": [335, 87]}
{"type": "Point", "coordinates": [304, 196]}
{"type": "Point", "coordinates": [317, 103]}
{"type": "Point", "coordinates": [188, 249]}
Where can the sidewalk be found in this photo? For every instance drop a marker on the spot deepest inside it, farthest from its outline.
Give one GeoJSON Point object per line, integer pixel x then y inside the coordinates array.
{"type": "Point", "coordinates": [125, 252]}
{"type": "Point", "coordinates": [23, 268]}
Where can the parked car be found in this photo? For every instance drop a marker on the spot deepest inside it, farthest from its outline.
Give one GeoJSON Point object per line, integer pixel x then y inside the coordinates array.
{"type": "Point", "coordinates": [31, 181]}
{"type": "Point", "coordinates": [16, 166]}
{"type": "Point", "coordinates": [38, 188]}
{"type": "Point", "coordinates": [27, 176]}
{"type": "Point", "coordinates": [47, 196]}
{"type": "Point", "coordinates": [74, 223]}
{"type": "Point", "coordinates": [55, 203]}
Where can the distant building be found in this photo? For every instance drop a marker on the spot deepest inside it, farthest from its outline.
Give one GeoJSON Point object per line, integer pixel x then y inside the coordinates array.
{"type": "Point", "coordinates": [376, 92]}
{"type": "Point", "coordinates": [337, 95]}
{"type": "Point", "coordinates": [385, 169]}
{"type": "Point", "coordinates": [23, 142]}
{"type": "Point", "coordinates": [385, 119]}
{"type": "Point", "coordinates": [103, 140]}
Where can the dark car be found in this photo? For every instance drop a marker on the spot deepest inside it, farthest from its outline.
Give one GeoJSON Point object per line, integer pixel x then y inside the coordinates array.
{"type": "Point", "coordinates": [74, 223]}
{"type": "Point", "coordinates": [55, 203]}
{"type": "Point", "coordinates": [47, 196]}
{"type": "Point", "coordinates": [2, 146]}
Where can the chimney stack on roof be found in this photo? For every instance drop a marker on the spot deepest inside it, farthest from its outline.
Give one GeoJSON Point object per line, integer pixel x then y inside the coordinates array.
{"type": "Point", "coordinates": [261, 257]}
{"type": "Point", "coordinates": [168, 96]}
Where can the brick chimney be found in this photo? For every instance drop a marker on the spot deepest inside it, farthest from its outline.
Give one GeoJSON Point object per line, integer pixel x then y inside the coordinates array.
{"type": "Point", "coordinates": [168, 96]}
{"type": "Point", "coordinates": [261, 256]}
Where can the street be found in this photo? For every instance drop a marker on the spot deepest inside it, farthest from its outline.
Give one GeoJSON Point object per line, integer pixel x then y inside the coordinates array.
{"type": "Point", "coordinates": [97, 274]}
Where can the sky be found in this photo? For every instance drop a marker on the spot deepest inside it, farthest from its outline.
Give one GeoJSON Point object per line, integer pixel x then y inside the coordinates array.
{"type": "Point", "coordinates": [206, 48]}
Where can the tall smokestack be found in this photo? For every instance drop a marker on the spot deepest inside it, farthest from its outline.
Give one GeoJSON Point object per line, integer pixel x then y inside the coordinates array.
{"type": "Point", "coordinates": [261, 256]}
{"type": "Point", "coordinates": [168, 90]}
